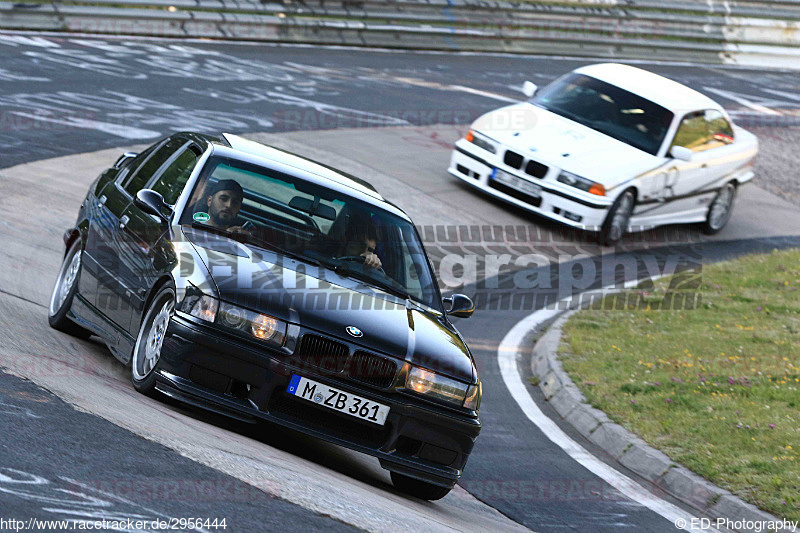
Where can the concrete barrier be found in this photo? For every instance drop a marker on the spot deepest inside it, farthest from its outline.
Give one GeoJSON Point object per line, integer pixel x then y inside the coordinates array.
{"type": "Point", "coordinates": [753, 33]}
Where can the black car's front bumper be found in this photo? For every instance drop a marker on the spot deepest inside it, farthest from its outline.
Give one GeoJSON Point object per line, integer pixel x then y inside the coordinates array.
{"type": "Point", "coordinates": [212, 370]}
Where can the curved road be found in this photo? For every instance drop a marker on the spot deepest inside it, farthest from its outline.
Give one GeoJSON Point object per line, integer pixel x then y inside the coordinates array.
{"type": "Point", "coordinates": [390, 118]}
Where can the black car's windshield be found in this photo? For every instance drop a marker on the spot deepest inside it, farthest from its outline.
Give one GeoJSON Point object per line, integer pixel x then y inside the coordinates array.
{"type": "Point", "coordinates": [311, 222]}
{"type": "Point", "coordinates": [608, 109]}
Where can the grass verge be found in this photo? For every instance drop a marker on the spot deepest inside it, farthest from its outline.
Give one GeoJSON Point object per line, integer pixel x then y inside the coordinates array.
{"type": "Point", "coordinates": [715, 387]}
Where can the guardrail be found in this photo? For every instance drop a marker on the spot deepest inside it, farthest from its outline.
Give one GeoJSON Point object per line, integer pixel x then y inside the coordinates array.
{"type": "Point", "coordinates": [754, 32]}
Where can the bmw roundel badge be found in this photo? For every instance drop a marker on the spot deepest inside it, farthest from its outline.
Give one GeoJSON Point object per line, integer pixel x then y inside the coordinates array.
{"type": "Point", "coordinates": [354, 331]}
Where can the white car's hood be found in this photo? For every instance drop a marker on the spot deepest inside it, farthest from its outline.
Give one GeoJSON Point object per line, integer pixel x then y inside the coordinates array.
{"type": "Point", "coordinates": [559, 142]}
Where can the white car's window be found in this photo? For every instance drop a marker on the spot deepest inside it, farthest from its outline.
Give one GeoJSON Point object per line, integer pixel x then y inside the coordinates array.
{"type": "Point", "coordinates": [608, 109]}
{"type": "Point", "coordinates": [703, 130]}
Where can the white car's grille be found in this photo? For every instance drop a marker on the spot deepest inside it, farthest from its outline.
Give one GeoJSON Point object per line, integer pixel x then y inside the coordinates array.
{"type": "Point", "coordinates": [532, 168]}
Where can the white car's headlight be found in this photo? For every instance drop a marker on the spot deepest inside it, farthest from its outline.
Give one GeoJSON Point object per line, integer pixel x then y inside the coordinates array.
{"type": "Point", "coordinates": [481, 142]}
{"type": "Point", "coordinates": [581, 183]}
{"type": "Point", "coordinates": [228, 316]}
{"type": "Point", "coordinates": [433, 385]}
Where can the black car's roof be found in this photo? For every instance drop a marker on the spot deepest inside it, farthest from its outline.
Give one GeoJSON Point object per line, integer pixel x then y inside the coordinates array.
{"type": "Point", "coordinates": [321, 171]}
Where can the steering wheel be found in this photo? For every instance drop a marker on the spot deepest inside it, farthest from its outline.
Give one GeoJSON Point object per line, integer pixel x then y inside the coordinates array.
{"type": "Point", "coordinates": [359, 259]}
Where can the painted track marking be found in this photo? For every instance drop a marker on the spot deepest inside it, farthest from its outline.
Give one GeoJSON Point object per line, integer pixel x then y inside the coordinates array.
{"type": "Point", "coordinates": [507, 360]}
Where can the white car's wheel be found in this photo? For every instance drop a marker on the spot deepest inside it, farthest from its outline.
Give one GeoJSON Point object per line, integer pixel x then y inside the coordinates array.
{"type": "Point", "coordinates": [719, 212]}
{"type": "Point", "coordinates": [618, 218]}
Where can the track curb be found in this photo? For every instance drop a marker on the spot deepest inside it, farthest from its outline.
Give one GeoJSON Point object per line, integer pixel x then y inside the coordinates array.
{"type": "Point", "coordinates": [627, 449]}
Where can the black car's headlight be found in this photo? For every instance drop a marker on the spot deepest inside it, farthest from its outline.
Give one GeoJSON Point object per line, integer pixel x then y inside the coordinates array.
{"type": "Point", "coordinates": [433, 385]}
{"type": "Point", "coordinates": [263, 327]}
{"type": "Point", "coordinates": [228, 316]}
{"type": "Point", "coordinates": [199, 305]}
{"type": "Point", "coordinates": [579, 182]}
{"type": "Point", "coordinates": [474, 394]}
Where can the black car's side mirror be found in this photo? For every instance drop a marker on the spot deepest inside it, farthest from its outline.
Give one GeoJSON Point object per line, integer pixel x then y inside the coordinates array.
{"type": "Point", "coordinates": [461, 306]}
{"type": "Point", "coordinates": [152, 203]}
{"type": "Point", "coordinates": [127, 156]}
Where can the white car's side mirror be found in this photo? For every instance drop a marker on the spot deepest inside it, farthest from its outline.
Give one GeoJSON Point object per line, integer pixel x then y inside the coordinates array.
{"type": "Point", "coordinates": [681, 152]}
{"type": "Point", "coordinates": [529, 89]}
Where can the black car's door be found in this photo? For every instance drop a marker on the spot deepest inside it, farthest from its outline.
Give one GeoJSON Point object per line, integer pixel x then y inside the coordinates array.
{"type": "Point", "coordinates": [100, 261]}
{"type": "Point", "coordinates": [116, 297]}
{"type": "Point", "coordinates": [145, 243]}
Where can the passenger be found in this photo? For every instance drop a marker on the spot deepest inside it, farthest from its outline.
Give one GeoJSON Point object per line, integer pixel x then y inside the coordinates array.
{"type": "Point", "coordinates": [361, 239]}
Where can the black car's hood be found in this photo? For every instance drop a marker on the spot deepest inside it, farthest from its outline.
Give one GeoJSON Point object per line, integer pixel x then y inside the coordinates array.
{"type": "Point", "coordinates": [316, 298]}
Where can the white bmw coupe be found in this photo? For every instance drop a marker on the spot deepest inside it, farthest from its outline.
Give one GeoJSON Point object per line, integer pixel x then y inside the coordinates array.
{"type": "Point", "coordinates": [611, 148]}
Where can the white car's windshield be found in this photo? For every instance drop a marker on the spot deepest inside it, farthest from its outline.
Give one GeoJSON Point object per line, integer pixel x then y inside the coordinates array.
{"type": "Point", "coordinates": [277, 211]}
{"type": "Point", "coordinates": [608, 109]}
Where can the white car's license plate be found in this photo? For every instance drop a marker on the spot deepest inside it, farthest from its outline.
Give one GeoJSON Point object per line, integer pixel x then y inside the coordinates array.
{"type": "Point", "coordinates": [517, 183]}
{"type": "Point", "coordinates": [338, 400]}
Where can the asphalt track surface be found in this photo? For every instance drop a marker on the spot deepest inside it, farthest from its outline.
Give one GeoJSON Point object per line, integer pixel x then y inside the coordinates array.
{"type": "Point", "coordinates": [62, 96]}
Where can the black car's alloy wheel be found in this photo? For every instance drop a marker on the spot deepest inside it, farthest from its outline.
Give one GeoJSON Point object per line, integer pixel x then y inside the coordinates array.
{"type": "Point", "coordinates": [64, 291]}
{"type": "Point", "coordinates": [147, 352]}
{"type": "Point", "coordinates": [417, 488]}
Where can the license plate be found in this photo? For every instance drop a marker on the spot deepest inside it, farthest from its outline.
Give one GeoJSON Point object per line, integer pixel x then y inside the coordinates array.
{"type": "Point", "coordinates": [519, 184]}
{"type": "Point", "coordinates": [338, 400]}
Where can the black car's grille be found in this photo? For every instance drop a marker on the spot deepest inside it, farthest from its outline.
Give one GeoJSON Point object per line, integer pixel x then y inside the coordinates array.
{"type": "Point", "coordinates": [328, 421]}
{"type": "Point", "coordinates": [322, 353]}
{"type": "Point", "coordinates": [513, 159]}
{"type": "Point", "coordinates": [536, 169]}
{"type": "Point", "coordinates": [372, 369]}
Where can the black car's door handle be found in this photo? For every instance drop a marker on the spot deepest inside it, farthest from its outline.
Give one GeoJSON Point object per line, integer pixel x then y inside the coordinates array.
{"type": "Point", "coordinates": [124, 221]}
{"type": "Point", "coordinates": [102, 200]}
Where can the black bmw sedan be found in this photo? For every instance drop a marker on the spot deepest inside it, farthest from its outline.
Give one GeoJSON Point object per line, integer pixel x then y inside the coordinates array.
{"type": "Point", "coordinates": [261, 285]}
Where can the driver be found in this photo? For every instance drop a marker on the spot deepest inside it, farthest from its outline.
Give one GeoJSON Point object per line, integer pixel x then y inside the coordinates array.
{"type": "Point", "coordinates": [361, 238]}
{"type": "Point", "coordinates": [223, 202]}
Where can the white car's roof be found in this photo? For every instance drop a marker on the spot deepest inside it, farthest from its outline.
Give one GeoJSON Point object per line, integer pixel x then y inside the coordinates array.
{"type": "Point", "coordinates": [658, 89]}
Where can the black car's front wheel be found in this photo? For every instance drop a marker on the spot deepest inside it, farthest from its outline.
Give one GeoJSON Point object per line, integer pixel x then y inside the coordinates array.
{"type": "Point", "coordinates": [420, 489]}
{"type": "Point", "coordinates": [64, 291]}
{"type": "Point", "coordinates": [149, 342]}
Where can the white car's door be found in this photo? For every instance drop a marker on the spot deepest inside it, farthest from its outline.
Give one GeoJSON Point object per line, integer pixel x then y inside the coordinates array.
{"type": "Point", "coordinates": [679, 186]}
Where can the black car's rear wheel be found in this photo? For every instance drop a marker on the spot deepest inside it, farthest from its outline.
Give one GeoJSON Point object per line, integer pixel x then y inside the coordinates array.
{"type": "Point", "coordinates": [149, 342]}
{"type": "Point", "coordinates": [64, 291]}
{"type": "Point", "coordinates": [420, 489]}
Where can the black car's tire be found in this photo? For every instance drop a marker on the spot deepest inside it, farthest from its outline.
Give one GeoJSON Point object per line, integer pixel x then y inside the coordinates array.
{"type": "Point", "coordinates": [616, 222]}
{"type": "Point", "coordinates": [149, 341]}
{"type": "Point", "coordinates": [419, 489]}
{"type": "Point", "coordinates": [720, 209]}
{"type": "Point", "coordinates": [64, 292]}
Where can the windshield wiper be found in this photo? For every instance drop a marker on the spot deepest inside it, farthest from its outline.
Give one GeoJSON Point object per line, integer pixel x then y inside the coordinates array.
{"type": "Point", "coordinates": [274, 247]}
{"type": "Point", "coordinates": [250, 239]}
{"type": "Point", "coordinates": [212, 229]}
{"type": "Point", "coordinates": [372, 282]}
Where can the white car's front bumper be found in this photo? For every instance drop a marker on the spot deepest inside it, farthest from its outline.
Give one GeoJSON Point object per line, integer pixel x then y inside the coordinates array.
{"type": "Point", "coordinates": [475, 167]}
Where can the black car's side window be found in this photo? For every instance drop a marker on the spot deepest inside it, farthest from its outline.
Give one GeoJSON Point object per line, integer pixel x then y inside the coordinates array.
{"type": "Point", "coordinates": [174, 177]}
{"type": "Point", "coordinates": [130, 166]}
{"type": "Point", "coordinates": [145, 171]}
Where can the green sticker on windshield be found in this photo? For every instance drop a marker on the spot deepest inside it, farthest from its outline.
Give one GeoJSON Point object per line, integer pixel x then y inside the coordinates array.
{"type": "Point", "coordinates": [201, 217]}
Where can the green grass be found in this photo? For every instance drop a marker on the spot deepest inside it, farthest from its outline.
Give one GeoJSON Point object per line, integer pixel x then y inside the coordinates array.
{"type": "Point", "coordinates": [717, 388]}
